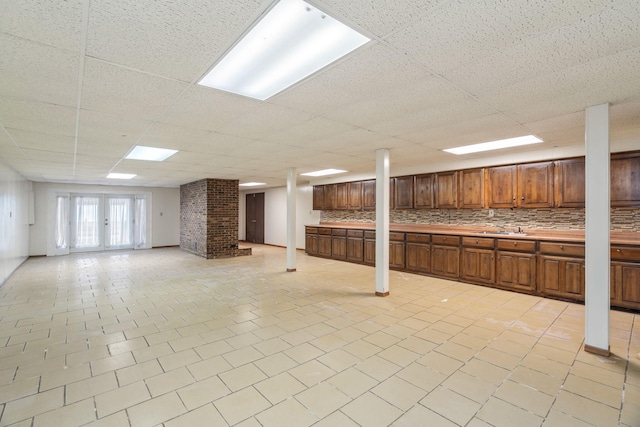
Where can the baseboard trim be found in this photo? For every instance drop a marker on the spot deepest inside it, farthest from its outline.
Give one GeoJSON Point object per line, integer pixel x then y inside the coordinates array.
{"type": "Point", "coordinates": [382, 294]}
{"type": "Point", "coordinates": [597, 350]}
{"type": "Point", "coordinates": [291, 270]}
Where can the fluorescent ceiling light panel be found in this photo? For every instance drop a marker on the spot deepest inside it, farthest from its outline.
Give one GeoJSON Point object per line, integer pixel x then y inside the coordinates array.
{"type": "Point", "coordinates": [292, 41]}
{"type": "Point", "coordinates": [252, 184]}
{"type": "Point", "coordinates": [121, 175]}
{"type": "Point", "coordinates": [140, 152]}
{"type": "Point", "coordinates": [495, 145]}
{"type": "Point", "coordinates": [323, 172]}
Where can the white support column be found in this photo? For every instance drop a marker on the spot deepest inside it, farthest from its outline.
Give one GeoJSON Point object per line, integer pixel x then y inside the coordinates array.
{"type": "Point", "coordinates": [382, 222]}
{"type": "Point", "coordinates": [291, 219]}
{"type": "Point", "coordinates": [597, 212]}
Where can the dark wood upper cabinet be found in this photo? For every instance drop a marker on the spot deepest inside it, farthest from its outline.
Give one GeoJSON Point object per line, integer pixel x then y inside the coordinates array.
{"type": "Point", "coordinates": [423, 192]}
{"type": "Point", "coordinates": [404, 192]}
{"type": "Point", "coordinates": [472, 188]}
{"type": "Point", "coordinates": [535, 186]}
{"type": "Point", "coordinates": [318, 197]}
{"type": "Point", "coordinates": [355, 195]}
{"type": "Point", "coordinates": [446, 190]}
{"type": "Point", "coordinates": [342, 196]}
{"type": "Point", "coordinates": [569, 188]}
{"type": "Point", "coordinates": [625, 179]}
{"type": "Point", "coordinates": [330, 193]}
{"type": "Point", "coordinates": [369, 194]}
{"type": "Point", "coordinates": [502, 183]}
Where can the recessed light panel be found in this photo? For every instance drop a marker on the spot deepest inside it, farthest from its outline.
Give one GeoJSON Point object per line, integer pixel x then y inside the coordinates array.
{"type": "Point", "coordinates": [140, 152]}
{"type": "Point", "coordinates": [292, 41]}
{"type": "Point", "coordinates": [121, 175]}
{"type": "Point", "coordinates": [252, 184]}
{"type": "Point", "coordinates": [324, 172]}
{"type": "Point", "coordinates": [495, 145]}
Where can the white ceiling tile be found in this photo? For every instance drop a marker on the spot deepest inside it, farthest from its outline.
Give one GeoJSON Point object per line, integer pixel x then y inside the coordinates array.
{"type": "Point", "coordinates": [265, 120]}
{"type": "Point", "coordinates": [38, 141]}
{"type": "Point", "coordinates": [187, 36]}
{"type": "Point", "coordinates": [115, 90]}
{"type": "Point", "coordinates": [53, 23]}
{"type": "Point", "coordinates": [37, 116]}
{"type": "Point", "coordinates": [36, 72]}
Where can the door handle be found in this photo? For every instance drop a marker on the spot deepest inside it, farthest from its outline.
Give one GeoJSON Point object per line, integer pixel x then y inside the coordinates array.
{"type": "Point", "coordinates": [253, 220]}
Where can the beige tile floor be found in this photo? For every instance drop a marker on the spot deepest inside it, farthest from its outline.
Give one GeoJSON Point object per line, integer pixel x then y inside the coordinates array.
{"type": "Point", "coordinates": [162, 337]}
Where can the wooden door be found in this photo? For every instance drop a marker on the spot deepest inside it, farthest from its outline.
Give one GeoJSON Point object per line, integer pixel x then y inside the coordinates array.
{"type": "Point", "coordinates": [311, 244]}
{"type": "Point", "coordinates": [404, 192]}
{"type": "Point", "coordinates": [478, 265]}
{"type": "Point", "coordinates": [516, 270]}
{"type": "Point", "coordinates": [423, 192]}
{"type": "Point", "coordinates": [318, 197]}
{"type": "Point", "coordinates": [324, 245]}
{"type": "Point", "coordinates": [254, 216]}
{"type": "Point", "coordinates": [355, 195]}
{"type": "Point", "coordinates": [446, 190]}
{"type": "Point", "coordinates": [503, 185]}
{"type": "Point", "coordinates": [569, 188]}
{"type": "Point", "coordinates": [342, 196]}
{"type": "Point", "coordinates": [369, 194]}
{"type": "Point", "coordinates": [562, 277]}
{"type": "Point", "coordinates": [535, 186]}
{"type": "Point", "coordinates": [370, 251]}
{"type": "Point", "coordinates": [330, 192]}
{"type": "Point", "coordinates": [445, 261]}
{"type": "Point", "coordinates": [418, 257]}
{"type": "Point", "coordinates": [355, 249]}
{"type": "Point", "coordinates": [396, 255]}
{"type": "Point", "coordinates": [472, 188]}
{"type": "Point", "coordinates": [625, 179]}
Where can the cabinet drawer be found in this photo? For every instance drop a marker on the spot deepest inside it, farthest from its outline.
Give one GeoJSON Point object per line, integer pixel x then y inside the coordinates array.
{"type": "Point", "coordinates": [420, 238]}
{"type": "Point", "coordinates": [478, 242]}
{"type": "Point", "coordinates": [326, 231]}
{"type": "Point", "coordinates": [312, 230]}
{"type": "Point", "coordinates": [516, 245]}
{"type": "Point", "coordinates": [562, 249]}
{"type": "Point", "coordinates": [629, 253]}
{"type": "Point", "coordinates": [369, 234]}
{"type": "Point", "coordinates": [396, 236]}
{"type": "Point", "coordinates": [355, 233]}
{"type": "Point", "coordinates": [339, 232]}
{"type": "Point", "coordinates": [445, 240]}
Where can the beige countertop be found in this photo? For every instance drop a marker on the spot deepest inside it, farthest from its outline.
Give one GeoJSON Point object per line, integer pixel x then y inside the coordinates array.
{"type": "Point", "coordinates": [577, 236]}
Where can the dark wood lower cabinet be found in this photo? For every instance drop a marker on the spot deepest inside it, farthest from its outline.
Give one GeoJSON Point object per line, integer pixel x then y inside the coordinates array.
{"type": "Point", "coordinates": [445, 261]}
{"type": "Point", "coordinates": [396, 255]}
{"type": "Point", "coordinates": [625, 284]}
{"type": "Point", "coordinates": [478, 265]}
{"type": "Point", "coordinates": [339, 247]}
{"type": "Point", "coordinates": [562, 277]}
{"type": "Point", "coordinates": [311, 244]}
{"type": "Point", "coordinates": [418, 257]}
{"type": "Point", "coordinates": [324, 245]}
{"type": "Point", "coordinates": [370, 251]}
{"type": "Point", "coordinates": [355, 249]}
{"type": "Point", "coordinates": [516, 271]}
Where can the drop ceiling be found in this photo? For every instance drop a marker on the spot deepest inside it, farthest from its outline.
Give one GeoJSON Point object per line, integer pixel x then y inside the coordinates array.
{"type": "Point", "coordinates": [83, 81]}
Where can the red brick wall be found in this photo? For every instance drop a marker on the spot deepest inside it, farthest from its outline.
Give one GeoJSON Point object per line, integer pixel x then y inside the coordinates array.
{"type": "Point", "coordinates": [209, 218]}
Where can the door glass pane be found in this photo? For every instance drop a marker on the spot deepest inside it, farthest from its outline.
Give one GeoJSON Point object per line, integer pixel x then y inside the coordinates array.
{"type": "Point", "coordinates": [62, 222]}
{"type": "Point", "coordinates": [140, 222]}
{"type": "Point", "coordinates": [86, 222]}
{"type": "Point", "coordinates": [119, 222]}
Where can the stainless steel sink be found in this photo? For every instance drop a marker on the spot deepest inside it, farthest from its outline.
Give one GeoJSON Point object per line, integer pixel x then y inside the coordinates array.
{"type": "Point", "coordinates": [500, 233]}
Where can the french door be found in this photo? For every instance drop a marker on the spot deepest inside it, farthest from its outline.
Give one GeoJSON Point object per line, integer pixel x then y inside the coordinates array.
{"type": "Point", "coordinates": [101, 222]}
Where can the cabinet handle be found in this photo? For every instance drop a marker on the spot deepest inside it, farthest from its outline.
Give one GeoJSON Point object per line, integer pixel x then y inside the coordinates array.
{"type": "Point", "coordinates": [561, 247]}
{"type": "Point", "coordinates": [618, 250]}
{"type": "Point", "coordinates": [515, 244]}
{"type": "Point", "coordinates": [477, 242]}
{"type": "Point", "coordinates": [522, 198]}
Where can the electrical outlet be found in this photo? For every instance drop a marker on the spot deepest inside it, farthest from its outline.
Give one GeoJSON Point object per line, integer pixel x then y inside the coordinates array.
{"type": "Point", "coordinates": [491, 213]}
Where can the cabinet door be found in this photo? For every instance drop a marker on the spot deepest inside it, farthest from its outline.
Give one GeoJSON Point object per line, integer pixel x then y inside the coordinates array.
{"type": "Point", "coordinates": [324, 246]}
{"type": "Point", "coordinates": [355, 249]}
{"type": "Point", "coordinates": [535, 187]}
{"type": "Point", "coordinates": [418, 257]}
{"type": "Point", "coordinates": [423, 192]}
{"type": "Point", "coordinates": [625, 284]}
{"type": "Point", "coordinates": [569, 186]}
{"type": "Point", "coordinates": [396, 255]}
{"type": "Point", "coordinates": [502, 187]}
{"type": "Point", "coordinates": [478, 265]}
{"type": "Point", "coordinates": [562, 277]}
{"type": "Point", "coordinates": [342, 196]}
{"type": "Point", "coordinates": [445, 261]}
{"type": "Point", "coordinates": [446, 190]}
{"type": "Point", "coordinates": [318, 197]}
{"type": "Point", "coordinates": [339, 247]}
{"type": "Point", "coordinates": [311, 244]}
{"type": "Point", "coordinates": [355, 195]}
{"type": "Point", "coordinates": [625, 179]}
{"type": "Point", "coordinates": [330, 193]}
{"type": "Point", "coordinates": [404, 192]}
{"type": "Point", "coordinates": [516, 270]}
{"type": "Point", "coordinates": [472, 188]}
{"type": "Point", "coordinates": [369, 194]}
{"type": "Point", "coordinates": [369, 251]}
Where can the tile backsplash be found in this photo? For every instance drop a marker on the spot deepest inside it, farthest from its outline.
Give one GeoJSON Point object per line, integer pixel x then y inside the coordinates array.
{"type": "Point", "coordinates": [622, 219]}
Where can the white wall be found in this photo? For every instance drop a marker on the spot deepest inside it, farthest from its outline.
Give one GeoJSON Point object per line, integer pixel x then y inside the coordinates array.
{"type": "Point", "coordinates": [165, 211]}
{"type": "Point", "coordinates": [275, 214]}
{"type": "Point", "coordinates": [14, 221]}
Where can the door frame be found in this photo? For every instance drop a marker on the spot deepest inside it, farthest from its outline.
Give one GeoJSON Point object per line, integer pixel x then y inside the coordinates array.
{"type": "Point", "coordinates": [258, 214]}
